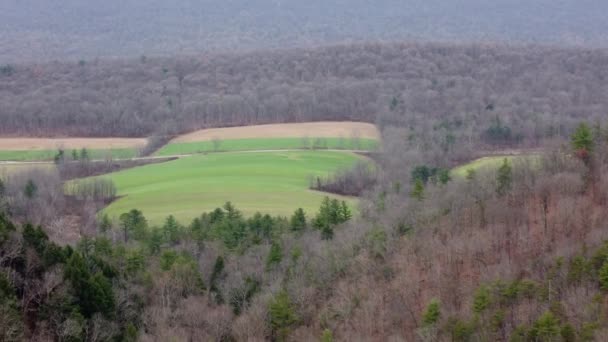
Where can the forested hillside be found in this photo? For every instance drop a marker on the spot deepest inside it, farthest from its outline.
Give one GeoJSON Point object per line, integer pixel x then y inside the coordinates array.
{"type": "Point", "coordinates": [516, 253]}
{"type": "Point", "coordinates": [37, 30]}
{"type": "Point", "coordinates": [493, 94]}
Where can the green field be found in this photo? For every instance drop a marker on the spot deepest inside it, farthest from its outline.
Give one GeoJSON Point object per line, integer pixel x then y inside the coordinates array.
{"type": "Point", "coordinates": [267, 144]}
{"type": "Point", "coordinates": [269, 182]}
{"type": "Point", "coordinates": [43, 155]}
{"type": "Point", "coordinates": [489, 163]}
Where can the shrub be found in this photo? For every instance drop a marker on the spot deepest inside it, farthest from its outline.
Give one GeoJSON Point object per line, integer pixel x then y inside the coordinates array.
{"type": "Point", "coordinates": [432, 313]}
{"type": "Point", "coordinates": [568, 333]}
{"type": "Point", "coordinates": [578, 269]}
{"type": "Point", "coordinates": [461, 331]}
{"type": "Point", "coordinates": [481, 300]}
{"type": "Point", "coordinates": [603, 275]}
{"type": "Point", "coordinates": [546, 328]}
{"type": "Point", "coordinates": [327, 336]}
{"type": "Point", "coordinates": [519, 334]}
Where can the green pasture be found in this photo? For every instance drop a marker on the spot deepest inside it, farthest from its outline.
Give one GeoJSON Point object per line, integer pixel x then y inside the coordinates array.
{"type": "Point", "coordinates": [43, 155]}
{"type": "Point", "coordinates": [491, 163]}
{"type": "Point", "coordinates": [269, 182]}
{"type": "Point", "coordinates": [268, 144]}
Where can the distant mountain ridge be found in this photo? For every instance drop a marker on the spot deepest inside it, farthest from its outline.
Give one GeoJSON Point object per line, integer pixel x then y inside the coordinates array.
{"type": "Point", "coordinates": [43, 30]}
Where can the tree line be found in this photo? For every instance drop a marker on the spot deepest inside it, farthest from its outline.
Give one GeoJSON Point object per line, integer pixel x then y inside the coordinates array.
{"type": "Point", "coordinates": [229, 226]}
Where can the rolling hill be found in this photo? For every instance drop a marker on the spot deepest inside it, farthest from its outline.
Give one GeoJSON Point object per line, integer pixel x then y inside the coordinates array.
{"type": "Point", "coordinates": [38, 30]}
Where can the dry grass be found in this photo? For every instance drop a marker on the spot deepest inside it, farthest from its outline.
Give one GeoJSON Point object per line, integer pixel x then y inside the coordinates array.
{"type": "Point", "coordinates": [9, 169]}
{"type": "Point", "coordinates": [24, 144]}
{"type": "Point", "coordinates": [292, 130]}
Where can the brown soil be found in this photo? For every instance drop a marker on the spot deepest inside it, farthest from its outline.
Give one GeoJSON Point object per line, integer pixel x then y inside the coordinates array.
{"type": "Point", "coordinates": [23, 144]}
{"type": "Point", "coordinates": [291, 130]}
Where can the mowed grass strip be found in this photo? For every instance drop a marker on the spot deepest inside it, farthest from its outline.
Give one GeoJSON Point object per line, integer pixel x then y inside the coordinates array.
{"type": "Point", "coordinates": [267, 144]}
{"type": "Point", "coordinates": [268, 182]}
{"type": "Point", "coordinates": [46, 155]}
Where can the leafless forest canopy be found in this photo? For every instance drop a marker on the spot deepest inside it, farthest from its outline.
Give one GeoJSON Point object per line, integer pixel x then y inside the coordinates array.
{"type": "Point", "coordinates": [38, 30]}
{"type": "Point", "coordinates": [517, 94]}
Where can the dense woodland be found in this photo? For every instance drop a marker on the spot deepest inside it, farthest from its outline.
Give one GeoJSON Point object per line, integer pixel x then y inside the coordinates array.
{"type": "Point", "coordinates": [516, 253]}
{"type": "Point", "coordinates": [492, 94]}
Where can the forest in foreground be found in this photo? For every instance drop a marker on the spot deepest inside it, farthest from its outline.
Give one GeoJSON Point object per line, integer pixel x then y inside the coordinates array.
{"type": "Point", "coordinates": [516, 252]}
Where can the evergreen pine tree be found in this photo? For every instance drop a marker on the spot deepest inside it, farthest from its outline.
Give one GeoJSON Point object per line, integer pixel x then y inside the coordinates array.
{"type": "Point", "coordinates": [327, 232]}
{"type": "Point", "coordinates": [282, 316]}
{"type": "Point", "coordinates": [133, 224]}
{"type": "Point", "coordinates": [603, 274]}
{"type": "Point", "coordinates": [105, 225]}
{"type": "Point", "coordinates": [481, 301]}
{"type": "Point", "coordinates": [582, 142]}
{"type": "Point", "coordinates": [298, 220]}
{"type": "Point", "coordinates": [323, 216]}
{"type": "Point", "coordinates": [30, 189]}
{"type": "Point", "coordinates": [335, 212]}
{"type": "Point", "coordinates": [418, 190]}
{"type": "Point", "coordinates": [504, 178]}
{"type": "Point", "coordinates": [582, 139]}
{"type": "Point", "coordinates": [84, 154]}
{"type": "Point", "coordinates": [155, 241]}
{"type": "Point", "coordinates": [432, 313]}
{"type": "Point", "coordinates": [275, 255]}
{"type": "Point", "coordinates": [171, 230]}
{"type": "Point", "coordinates": [546, 328]}
{"type": "Point", "coordinates": [216, 276]}
{"type": "Point", "coordinates": [59, 157]}
{"type": "Point", "coordinates": [345, 212]}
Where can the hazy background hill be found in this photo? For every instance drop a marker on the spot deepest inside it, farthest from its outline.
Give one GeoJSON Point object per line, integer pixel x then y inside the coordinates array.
{"type": "Point", "coordinates": [45, 30]}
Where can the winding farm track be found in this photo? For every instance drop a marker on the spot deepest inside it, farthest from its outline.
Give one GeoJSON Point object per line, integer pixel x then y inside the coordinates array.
{"type": "Point", "coordinates": [9, 162]}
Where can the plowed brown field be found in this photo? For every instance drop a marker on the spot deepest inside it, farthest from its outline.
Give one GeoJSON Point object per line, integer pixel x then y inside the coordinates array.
{"type": "Point", "coordinates": [23, 144]}
{"type": "Point", "coordinates": [290, 130]}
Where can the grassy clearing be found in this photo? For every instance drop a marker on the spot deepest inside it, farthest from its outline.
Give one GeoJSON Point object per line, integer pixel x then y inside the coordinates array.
{"type": "Point", "coordinates": [272, 182]}
{"type": "Point", "coordinates": [491, 163]}
{"type": "Point", "coordinates": [44, 155]}
{"type": "Point", "coordinates": [267, 144]}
